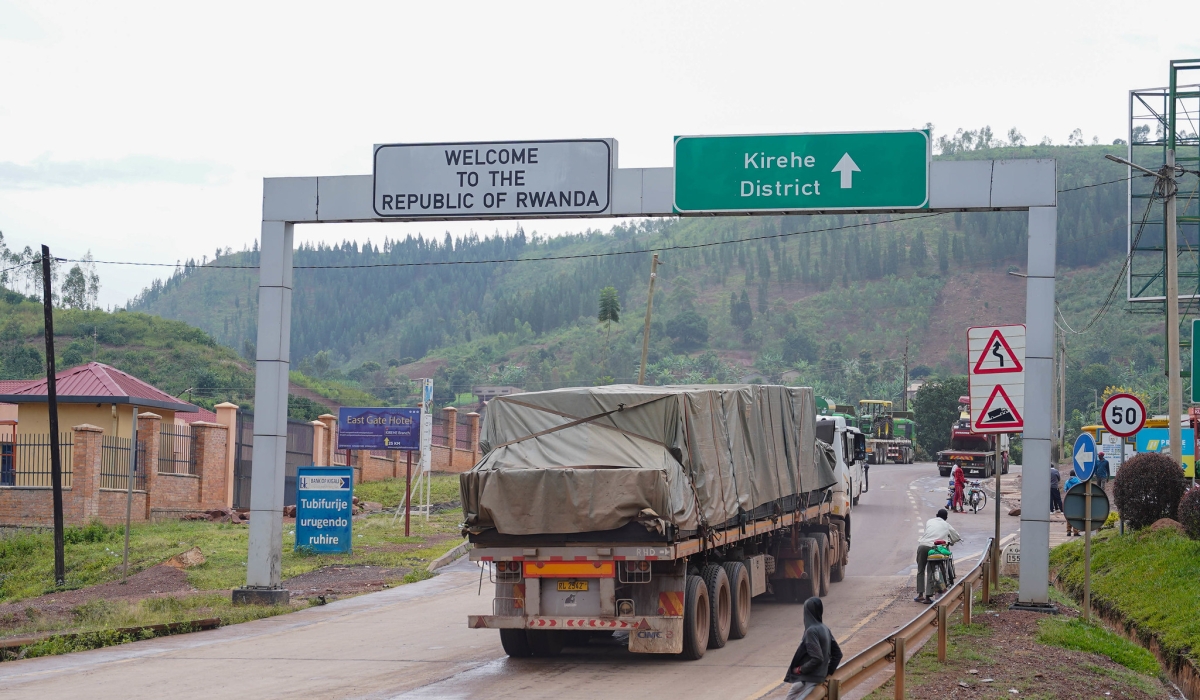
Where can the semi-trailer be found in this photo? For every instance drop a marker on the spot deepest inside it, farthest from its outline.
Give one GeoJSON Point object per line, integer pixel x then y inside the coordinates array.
{"type": "Point", "coordinates": [657, 512]}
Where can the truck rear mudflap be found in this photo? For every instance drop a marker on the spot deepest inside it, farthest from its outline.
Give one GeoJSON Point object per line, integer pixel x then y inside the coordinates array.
{"type": "Point", "coordinates": [647, 634]}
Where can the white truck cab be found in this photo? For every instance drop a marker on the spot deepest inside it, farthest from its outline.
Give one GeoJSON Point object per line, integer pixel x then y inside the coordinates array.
{"type": "Point", "coordinates": [850, 449]}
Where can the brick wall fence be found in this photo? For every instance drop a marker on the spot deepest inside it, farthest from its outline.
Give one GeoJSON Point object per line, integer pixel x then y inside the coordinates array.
{"type": "Point", "coordinates": [166, 495]}
{"type": "Point", "coordinates": [207, 485]}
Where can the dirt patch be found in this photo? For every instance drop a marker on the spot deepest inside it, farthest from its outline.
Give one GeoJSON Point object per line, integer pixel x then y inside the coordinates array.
{"type": "Point", "coordinates": [344, 580]}
{"type": "Point", "coordinates": [999, 655]}
{"type": "Point", "coordinates": [978, 298]}
{"type": "Point", "coordinates": [157, 581]}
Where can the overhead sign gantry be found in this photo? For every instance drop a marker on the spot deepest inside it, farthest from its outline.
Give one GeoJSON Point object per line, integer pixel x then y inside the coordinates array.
{"type": "Point", "coordinates": [894, 175]}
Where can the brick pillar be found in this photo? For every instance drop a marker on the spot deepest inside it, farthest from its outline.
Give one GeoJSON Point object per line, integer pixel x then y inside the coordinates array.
{"type": "Point", "coordinates": [149, 427]}
{"type": "Point", "coordinates": [474, 418]}
{"type": "Point", "coordinates": [330, 422]}
{"type": "Point", "coordinates": [227, 416]}
{"type": "Point", "coordinates": [320, 456]}
{"type": "Point", "coordinates": [451, 431]}
{"type": "Point", "coordinates": [83, 505]}
{"type": "Point", "coordinates": [210, 447]}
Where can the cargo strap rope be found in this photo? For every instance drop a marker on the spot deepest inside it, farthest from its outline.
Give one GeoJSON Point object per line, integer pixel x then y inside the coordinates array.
{"type": "Point", "coordinates": [581, 421]}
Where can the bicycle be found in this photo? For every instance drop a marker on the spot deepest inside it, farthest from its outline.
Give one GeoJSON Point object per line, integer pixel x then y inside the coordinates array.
{"type": "Point", "coordinates": [975, 497]}
{"type": "Point", "coordinates": [939, 569]}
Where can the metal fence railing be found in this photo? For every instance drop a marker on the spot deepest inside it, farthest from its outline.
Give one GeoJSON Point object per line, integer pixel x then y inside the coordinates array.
{"type": "Point", "coordinates": [25, 460]}
{"type": "Point", "coordinates": [176, 453]}
{"type": "Point", "coordinates": [903, 644]}
{"type": "Point", "coordinates": [462, 435]}
{"type": "Point", "coordinates": [114, 464]}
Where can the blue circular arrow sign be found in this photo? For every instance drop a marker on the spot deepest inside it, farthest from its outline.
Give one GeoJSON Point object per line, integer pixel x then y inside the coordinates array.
{"type": "Point", "coordinates": [1085, 456]}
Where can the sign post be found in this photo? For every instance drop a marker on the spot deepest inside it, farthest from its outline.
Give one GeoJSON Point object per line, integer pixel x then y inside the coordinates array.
{"type": "Point", "coordinates": [1086, 508]}
{"type": "Point", "coordinates": [324, 514]}
{"type": "Point", "coordinates": [802, 172]}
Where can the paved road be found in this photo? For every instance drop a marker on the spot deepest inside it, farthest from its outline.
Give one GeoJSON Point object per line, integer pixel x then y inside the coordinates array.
{"type": "Point", "coordinates": [412, 641]}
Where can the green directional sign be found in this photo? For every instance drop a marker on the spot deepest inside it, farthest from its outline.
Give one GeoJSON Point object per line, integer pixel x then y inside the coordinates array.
{"type": "Point", "coordinates": [802, 172]}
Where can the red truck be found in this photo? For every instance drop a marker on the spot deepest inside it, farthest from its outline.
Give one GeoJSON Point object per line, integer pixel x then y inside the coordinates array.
{"type": "Point", "coordinates": [977, 453]}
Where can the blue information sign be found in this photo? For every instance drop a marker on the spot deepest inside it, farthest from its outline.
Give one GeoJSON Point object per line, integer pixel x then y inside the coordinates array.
{"type": "Point", "coordinates": [324, 499]}
{"type": "Point", "coordinates": [379, 429]}
{"type": "Point", "coordinates": [1085, 456]}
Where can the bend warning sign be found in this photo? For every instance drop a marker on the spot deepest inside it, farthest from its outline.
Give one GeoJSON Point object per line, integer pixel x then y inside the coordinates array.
{"type": "Point", "coordinates": [996, 358]}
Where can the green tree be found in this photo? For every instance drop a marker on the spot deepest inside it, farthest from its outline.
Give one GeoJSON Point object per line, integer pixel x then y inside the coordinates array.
{"type": "Point", "coordinates": [935, 409]}
{"type": "Point", "coordinates": [798, 345]}
{"type": "Point", "coordinates": [917, 252]}
{"type": "Point", "coordinates": [689, 330]}
{"type": "Point", "coordinates": [740, 313]}
{"type": "Point", "coordinates": [943, 252]}
{"type": "Point", "coordinates": [610, 313]}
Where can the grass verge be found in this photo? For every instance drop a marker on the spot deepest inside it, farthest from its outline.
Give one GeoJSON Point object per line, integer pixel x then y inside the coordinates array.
{"type": "Point", "coordinates": [1147, 577]}
{"type": "Point", "coordinates": [1073, 633]}
{"type": "Point", "coordinates": [443, 488]}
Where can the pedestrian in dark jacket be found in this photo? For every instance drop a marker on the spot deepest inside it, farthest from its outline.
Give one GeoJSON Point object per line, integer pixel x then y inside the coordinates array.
{"type": "Point", "coordinates": [1055, 495]}
{"type": "Point", "coordinates": [817, 656]}
{"type": "Point", "coordinates": [1102, 469]}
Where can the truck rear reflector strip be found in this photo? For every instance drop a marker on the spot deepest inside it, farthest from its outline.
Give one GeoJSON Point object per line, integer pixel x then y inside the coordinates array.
{"type": "Point", "coordinates": [569, 569]}
{"type": "Point", "coordinates": [670, 603]}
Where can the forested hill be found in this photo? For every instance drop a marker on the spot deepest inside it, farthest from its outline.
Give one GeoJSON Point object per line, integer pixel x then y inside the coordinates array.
{"type": "Point", "coordinates": [834, 298]}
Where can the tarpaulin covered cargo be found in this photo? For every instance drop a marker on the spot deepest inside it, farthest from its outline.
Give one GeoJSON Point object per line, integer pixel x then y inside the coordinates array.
{"type": "Point", "coordinates": [597, 458]}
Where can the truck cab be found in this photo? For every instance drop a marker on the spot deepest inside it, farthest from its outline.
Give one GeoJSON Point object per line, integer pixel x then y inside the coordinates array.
{"type": "Point", "coordinates": [850, 451]}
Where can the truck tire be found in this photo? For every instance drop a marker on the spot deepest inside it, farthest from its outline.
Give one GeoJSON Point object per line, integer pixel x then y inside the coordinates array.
{"type": "Point", "coordinates": [837, 572]}
{"type": "Point", "coordinates": [720, 600]}
{"type": "Point", "coordinates": [545, 643]}
{"type": "Point", "coordinates": [803, 589]}
{"type": "Point", "coordinates": [739, 586]}
{"type": "Point", "coordinates": [825, 560]}
{"type": "Point", "coordinates": [695, 619]}
{"type": "Point", "coordinates": [515, 643]}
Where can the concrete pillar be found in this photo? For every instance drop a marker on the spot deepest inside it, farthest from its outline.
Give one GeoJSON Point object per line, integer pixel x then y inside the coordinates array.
{"type": "Point", "coordinates": [263, 569]}
{"type": "Point", "coordinates": [1039, 378]}
{"type": "Point", "coordinates": [330, 422]}
{"type": "Point", "coordinates": [474, 419]}
{"type": "Point", "coordinates": [451, 431]}
{"type": "Point", "coordinates": [227, 416]}
{"type": "Point", "coordinates": [210, 447]}
{"type": "Point", "coordinates": [85, 474]}
{"type": "Point", "coordinates": [149, 434]}
{"type": "Point", "coordinates": [320, 456]}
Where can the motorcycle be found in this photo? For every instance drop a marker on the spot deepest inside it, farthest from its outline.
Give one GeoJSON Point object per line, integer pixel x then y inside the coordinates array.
{"type": "Point", "coordinates": [940, 572]}
{"type": "Point", "coordinates": [975, 497]}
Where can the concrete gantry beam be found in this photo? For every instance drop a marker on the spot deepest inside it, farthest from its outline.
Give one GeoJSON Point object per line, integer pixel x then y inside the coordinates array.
{"type": "Point", "coordinates": [969, 186]}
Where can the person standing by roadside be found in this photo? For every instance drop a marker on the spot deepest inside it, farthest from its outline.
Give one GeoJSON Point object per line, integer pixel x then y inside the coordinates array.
{"type": "Point", "coordinates": [960, 485]}
{"type": "Point", "coordinates": [935, 529]}
{"type": "Point", "coordinates": [1102, 470]}
{"type": "Point", "coordinates": [1072, 532]}
{"type": "Point", "coordinates": [1055, 495]}
{"type": "Point", "coordinates": [817, 656]}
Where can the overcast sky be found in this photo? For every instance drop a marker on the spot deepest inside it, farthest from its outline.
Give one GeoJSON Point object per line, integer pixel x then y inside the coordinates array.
{"type": "Point", "coordinates": [143, 131]}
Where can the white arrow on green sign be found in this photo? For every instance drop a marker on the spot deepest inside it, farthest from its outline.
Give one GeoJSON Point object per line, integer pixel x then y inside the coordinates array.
{"type": "Point", "coordinates": [802, 172]}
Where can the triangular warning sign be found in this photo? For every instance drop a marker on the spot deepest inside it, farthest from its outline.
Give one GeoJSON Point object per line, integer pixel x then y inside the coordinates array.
{"type": "Point", "coordinates": [999, 412]}
{"type": "Point", "coordinates": [997, 357]}
{"type": "Point", "coordinates": [643, 625]}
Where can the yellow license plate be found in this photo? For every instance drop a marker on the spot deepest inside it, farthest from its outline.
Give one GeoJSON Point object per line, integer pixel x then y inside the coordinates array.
{"type": "Point", "coordinates": [572, 585]}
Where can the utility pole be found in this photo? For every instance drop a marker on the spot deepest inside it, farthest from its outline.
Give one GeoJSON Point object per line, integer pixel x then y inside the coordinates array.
{"type": "Point", "coordinates": [1062, 397]}
{"type": "Point", "coordinates": [646, 330]}
{"type": "Point", "coordinates": [904, 391]}
{"type": "Point", "coordinates": [1171, 272]}
{"type": "Point", "coordinates": [60, 566]}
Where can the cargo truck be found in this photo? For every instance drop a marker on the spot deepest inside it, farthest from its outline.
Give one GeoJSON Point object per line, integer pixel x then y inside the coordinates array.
{"type": "Point", "coordinates": [654, 514]}
{"type": "Point", "coordinates": [979, 454]}
{"type": "Point", "coordinates": [890, 434]}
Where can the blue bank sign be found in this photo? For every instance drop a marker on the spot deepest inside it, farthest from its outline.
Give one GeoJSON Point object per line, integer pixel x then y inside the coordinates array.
{"type": "Point", "coordinates": [379, 429]}
{"type": "Point", "coordinates": [324, 496]}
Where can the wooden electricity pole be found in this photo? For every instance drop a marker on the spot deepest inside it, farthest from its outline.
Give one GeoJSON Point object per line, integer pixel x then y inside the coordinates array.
{"type": "Point", "coordinates": [646, 330]}
{"type": "Point", "coordinates": [60, 566]}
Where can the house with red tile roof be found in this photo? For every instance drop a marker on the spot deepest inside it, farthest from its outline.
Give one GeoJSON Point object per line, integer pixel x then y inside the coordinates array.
{"type": "Point", "coordinates": [94, 393]}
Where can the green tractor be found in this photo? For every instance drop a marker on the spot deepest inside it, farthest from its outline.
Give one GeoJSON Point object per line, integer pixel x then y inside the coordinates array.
{"type": "Point", "coordinates": [891, 435]}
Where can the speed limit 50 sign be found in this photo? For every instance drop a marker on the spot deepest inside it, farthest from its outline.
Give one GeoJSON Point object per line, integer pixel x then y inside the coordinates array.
{"type": "Point", "coordinates": [1123, 414]}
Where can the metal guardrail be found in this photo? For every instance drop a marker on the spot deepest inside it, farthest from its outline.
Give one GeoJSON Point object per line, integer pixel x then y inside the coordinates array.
{"type": "Point", "coordinates": [896, 649]}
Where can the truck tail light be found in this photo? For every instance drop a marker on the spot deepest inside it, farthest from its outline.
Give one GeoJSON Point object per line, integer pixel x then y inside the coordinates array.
{"type": "Point", "coordinates": [506, 572]}
{"type": "Point", "coordinates": [635, 571]}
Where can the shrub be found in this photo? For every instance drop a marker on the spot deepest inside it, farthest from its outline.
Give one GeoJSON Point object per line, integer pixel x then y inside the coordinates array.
{"type": "Point", "coordinates": [1189, 512]}
{"type": "Point", "coordinates": [1148, 487]}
